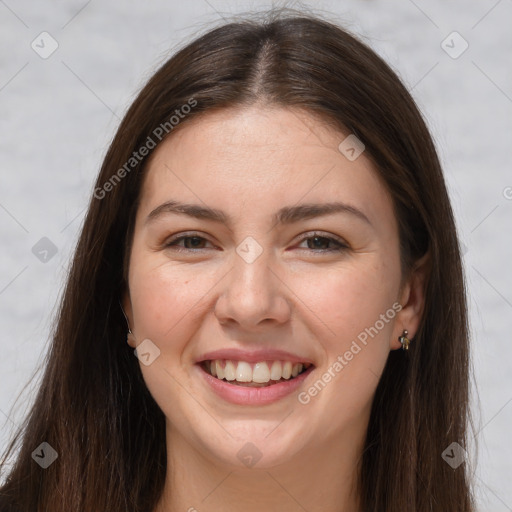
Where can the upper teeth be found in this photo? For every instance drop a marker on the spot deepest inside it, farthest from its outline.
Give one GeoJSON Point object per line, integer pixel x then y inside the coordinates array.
{"type": "Point", "coordinates": [261, 372]}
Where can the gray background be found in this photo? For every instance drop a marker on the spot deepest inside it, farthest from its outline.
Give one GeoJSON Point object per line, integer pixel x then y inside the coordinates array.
{"type": "Point", "coordinates": [58, 114]}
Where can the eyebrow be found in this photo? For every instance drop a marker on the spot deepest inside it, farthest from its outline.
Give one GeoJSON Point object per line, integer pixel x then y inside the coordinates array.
{"type": "Point", "coordinates": [286, 215]}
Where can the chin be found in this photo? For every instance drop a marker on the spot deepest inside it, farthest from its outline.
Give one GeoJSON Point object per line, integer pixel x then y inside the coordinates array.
{"type": "Point", "coordinates": [256, 451]}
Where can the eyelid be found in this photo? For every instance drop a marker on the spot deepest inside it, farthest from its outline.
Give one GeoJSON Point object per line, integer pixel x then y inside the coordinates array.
{"type": "Point", "coordinates": [321, 234]}
{"type": "Point", "coordinates": [341, 244]}
{"type": "Point", "coordinates": [180, 236]}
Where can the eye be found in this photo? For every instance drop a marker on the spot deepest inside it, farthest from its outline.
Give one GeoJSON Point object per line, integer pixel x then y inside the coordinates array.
{"type": "Point", "coordinates": [319, 243]}
{"type": "Point", "coordinates": [191, 242]}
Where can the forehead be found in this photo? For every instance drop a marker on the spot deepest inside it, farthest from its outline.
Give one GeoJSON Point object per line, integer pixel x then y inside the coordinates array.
{"type": "Point", "coordinates": [261, 158]}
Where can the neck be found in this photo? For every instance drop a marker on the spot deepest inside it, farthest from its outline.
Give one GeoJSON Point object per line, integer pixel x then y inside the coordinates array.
{"type": "Point", "coordinates": [321, 479]}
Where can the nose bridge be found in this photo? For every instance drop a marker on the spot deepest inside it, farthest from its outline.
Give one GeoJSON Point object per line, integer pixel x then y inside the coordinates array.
{"type": "Point", "coordinates": [252, 274]}
{"type": "Point", "coordinates": [253, 292]}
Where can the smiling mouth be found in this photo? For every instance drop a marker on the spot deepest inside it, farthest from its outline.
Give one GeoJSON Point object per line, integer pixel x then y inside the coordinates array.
{"type": "Point", "coordinates": [258, 375]}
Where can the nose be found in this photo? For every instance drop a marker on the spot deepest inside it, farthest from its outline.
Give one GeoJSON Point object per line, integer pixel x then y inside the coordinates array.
{"type": "Point", "coordinates": [254, 295]}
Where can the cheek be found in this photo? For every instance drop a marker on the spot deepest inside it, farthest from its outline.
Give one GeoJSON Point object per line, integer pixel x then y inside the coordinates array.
{"type": "Point", "coordinates": [165, 298]}
{"type": "Point", "coordinates": [354, 308]}
{"type": "Point", "coordinates": [349, 298]}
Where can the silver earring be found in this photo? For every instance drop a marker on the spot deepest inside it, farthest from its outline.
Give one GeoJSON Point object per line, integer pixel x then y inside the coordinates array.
{"type": "Point", "coordinates": [127, 323]}
{"type": "Point", "coordinates": [130, 335]}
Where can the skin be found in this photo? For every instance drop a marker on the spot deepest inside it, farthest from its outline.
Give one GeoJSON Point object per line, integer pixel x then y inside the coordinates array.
{"type": "Point", "coordinates": [295, 296]}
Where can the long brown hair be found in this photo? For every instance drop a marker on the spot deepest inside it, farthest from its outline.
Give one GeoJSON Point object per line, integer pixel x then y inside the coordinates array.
{"type": "Point", "coordinates": [93, 406]}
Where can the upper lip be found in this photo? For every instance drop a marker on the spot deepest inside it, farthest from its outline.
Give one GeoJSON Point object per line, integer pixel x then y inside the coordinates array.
{"type": "Point", "coordinates": [253, 356]}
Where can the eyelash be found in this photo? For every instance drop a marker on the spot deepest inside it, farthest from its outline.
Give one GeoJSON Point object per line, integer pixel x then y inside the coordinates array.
{"type": "Point", "coordinates": [341, 246]}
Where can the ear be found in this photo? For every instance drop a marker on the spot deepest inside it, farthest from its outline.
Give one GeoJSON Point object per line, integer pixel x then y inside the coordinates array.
{"type": "Point", "coordinates": [412, 300]}
{"type": "Point", "coordinates": [128, 312]}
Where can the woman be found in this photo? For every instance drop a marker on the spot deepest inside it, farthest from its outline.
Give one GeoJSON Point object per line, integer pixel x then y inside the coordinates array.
{"type": "Point", "coordinates": [271, 236]}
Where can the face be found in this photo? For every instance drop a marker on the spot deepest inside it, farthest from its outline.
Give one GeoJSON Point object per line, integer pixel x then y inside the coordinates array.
{"type": "Point", "coordinates": [257, 280]}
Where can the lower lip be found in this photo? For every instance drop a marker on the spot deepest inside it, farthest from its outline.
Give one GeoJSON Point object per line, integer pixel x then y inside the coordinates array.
{"type": "Point", "coordinates": [242, 395]}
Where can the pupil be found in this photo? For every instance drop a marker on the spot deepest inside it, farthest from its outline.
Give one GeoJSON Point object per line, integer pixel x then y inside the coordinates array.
{"type": "Point", "coordinates": [195, 244]}
{"type": "Point", "coordinates": [322, 240]}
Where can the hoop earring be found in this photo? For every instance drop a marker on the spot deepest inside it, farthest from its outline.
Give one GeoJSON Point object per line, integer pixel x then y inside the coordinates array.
{"type": "Point", "coordinates": [404, 340]}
